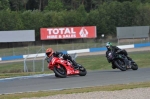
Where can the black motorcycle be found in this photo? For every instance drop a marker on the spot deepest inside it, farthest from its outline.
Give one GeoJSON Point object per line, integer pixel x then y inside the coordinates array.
{"type": "Point", "coordinates": [121, 62]}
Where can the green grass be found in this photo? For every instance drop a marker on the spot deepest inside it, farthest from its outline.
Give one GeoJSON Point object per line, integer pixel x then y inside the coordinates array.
{"type": "Point", "coordinates": [76, 90]}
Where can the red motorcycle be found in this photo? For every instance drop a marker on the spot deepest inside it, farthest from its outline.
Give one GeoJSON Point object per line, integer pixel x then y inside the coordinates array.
{"type": "Point", "coordinates": [63, 68]}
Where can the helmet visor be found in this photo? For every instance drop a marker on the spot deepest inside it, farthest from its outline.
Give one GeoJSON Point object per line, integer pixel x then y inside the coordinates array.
{"type": "Point", "coordinates": [48, 53]}
{"type": "Point", "coordinates": [108, 46]}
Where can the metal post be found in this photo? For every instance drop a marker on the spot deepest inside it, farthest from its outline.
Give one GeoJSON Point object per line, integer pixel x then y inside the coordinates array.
{"type": "Point", "coordinates": [25, 66]}
{"type": "Point", "coordinates": [34, 60]}
{"type": "Point", "coordinates": [43, 64]}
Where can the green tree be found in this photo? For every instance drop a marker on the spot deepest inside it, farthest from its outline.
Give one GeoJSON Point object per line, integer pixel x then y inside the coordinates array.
{"type": "Point", "coordinates": [75, 17]}
{"type": "Point", "coordinates": [10, 20]}
{"type": "Point", "coordinates": [54, 19]}
{"type": "Point", "coordinates": [18, 5]}
{"type": "Point", "coordinates": [4, 5]}
{"type": "Point", "coordinates": [81, 15]}
{"type": "Point", "coordinates": [54, 5]}
{"type": "Point", "coordinates": [142, 17]}
{"type": "Point", "coordinates": [24, 4]}
{"type": "Point", "coordinates": [33, 20]}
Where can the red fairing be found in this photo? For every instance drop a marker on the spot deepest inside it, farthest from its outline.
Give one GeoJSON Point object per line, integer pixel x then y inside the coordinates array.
{"type": "Point", "coordinates": [58, 61]}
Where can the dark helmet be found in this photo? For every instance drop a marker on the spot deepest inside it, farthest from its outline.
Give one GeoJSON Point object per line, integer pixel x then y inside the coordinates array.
{"type": "Point", "coordinates": [108, 45]}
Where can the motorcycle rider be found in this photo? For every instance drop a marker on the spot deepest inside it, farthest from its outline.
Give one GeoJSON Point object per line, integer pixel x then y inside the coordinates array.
{"type": "Point", "coordinates": [115, 49]}
{"type": "Point", "coordinates": [50, 53]}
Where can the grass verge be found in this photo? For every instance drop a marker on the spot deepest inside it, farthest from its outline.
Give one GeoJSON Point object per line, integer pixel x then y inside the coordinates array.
{"type": "Point", "coordinates": [76, 90]}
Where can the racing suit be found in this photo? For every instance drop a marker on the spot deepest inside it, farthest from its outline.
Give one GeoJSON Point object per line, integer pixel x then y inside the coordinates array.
{"type": "Point", "coordinates": [115, 49]}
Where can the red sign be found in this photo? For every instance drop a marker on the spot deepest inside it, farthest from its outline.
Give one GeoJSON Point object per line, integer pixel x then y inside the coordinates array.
{"type": "Point", "coordinates": [68, 32]}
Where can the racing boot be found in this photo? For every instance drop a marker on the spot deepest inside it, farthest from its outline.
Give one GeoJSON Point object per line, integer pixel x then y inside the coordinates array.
{"type": "Point", "coordinates": [77, 66]}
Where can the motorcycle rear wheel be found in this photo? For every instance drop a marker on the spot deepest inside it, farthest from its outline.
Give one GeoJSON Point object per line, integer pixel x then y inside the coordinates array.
{"type": "Point", "coordinates": [60, 72]}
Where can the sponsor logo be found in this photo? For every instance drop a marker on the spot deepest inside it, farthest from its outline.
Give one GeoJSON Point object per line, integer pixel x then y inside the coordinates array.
{"type": "Point", "coordinates": [61, 33]}
{"type": "Point", "coordinates": [68, 32]}
{"type": "Point", "coordinates": [83, 32]}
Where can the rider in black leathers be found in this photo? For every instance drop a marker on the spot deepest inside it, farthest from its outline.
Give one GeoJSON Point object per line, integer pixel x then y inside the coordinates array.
{"type": "Point", "coordinates": [50, 52]}
{"type": "Point", "coordinates": [115, 49]}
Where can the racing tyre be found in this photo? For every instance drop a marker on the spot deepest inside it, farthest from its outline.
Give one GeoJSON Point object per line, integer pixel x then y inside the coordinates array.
{"type": "Point", "coordinates": [120, 64]}
{"type": "Point", "coordinates": [134, 66]}
{"type": "Point", "coordinates": [56, 75]}
{"type": "Point", "coordinates": [60, 71]}
{"type": "Point", "coordinates": [82, 71]}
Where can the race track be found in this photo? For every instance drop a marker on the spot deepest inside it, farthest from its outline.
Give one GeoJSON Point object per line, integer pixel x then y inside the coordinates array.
{"type": "Point", "coordinates": [95, 78]}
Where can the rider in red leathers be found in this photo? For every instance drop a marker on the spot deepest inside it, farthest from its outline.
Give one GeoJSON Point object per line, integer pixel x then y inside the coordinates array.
{"type": "Point", "coordinates": [50, 53]}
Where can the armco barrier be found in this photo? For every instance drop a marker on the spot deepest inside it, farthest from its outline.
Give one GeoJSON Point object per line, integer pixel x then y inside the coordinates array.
{"type": "Point", "coordinates": [75, 51]}
{"type": "Point", "coordinates": [78, 51]}
{"type": "Point", "coordinates": [141, 45]}
{"type": "Point", "coordinates": [12, 57]}
{"type": "Point", "coordinates": [126, 46]}
{"type": "Point", "coordinates": [97, 49]}
{"type": "Point", "coordinates": [34, 55]}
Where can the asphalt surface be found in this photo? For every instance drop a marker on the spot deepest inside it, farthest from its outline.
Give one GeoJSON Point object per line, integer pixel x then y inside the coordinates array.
{"type": "Point", "coordinates": [95, 78]}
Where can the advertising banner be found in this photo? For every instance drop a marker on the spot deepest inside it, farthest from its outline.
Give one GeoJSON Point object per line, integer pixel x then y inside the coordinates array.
{"type": "Point", "coordinates": [68, 32]}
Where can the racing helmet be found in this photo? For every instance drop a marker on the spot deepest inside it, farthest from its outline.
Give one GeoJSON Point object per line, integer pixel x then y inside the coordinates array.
{"type": "Point", "coordinates": [108, 45]}
{"type": "Point", "coordinates": [49, 52]}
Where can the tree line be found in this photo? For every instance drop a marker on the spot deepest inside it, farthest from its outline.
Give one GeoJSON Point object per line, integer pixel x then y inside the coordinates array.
{"type": "Point", "coordinates": [105, 14]}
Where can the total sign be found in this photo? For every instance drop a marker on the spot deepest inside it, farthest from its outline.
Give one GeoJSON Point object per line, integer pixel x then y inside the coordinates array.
{"type": "Point", "coordinates": [68, 32]}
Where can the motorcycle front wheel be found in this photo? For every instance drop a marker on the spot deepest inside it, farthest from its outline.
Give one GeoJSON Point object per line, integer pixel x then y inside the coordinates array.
{"type": "Point", "coordinates": [134, 66]}
{"type": "Point", "coordinates": [60, 71]}
{"type": "Point", "coordinates": [56, 75]}
{"type": "Point", "coordinates": [120, 64]}
{"type": "Point", "coordinates": [82, 71]}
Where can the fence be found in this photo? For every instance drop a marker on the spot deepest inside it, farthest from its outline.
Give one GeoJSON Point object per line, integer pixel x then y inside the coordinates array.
{"type": "Point", "coordinates": [70, 45]}
{"type": "Point", "coordinates": [35, 64]}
